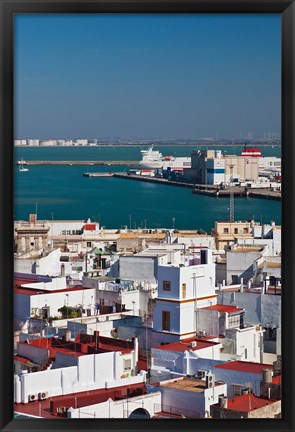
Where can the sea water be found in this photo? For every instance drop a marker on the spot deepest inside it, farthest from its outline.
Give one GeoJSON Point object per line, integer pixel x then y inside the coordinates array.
{"type": "Point", "coordinates": [62, 192]}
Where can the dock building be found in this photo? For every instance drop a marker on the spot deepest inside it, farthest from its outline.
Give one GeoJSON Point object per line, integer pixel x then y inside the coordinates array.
{"type": "Point", "coordinates": [211, 167]}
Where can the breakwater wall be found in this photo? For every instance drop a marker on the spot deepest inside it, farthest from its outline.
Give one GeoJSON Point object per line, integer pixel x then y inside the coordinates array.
{"type": "Point", "coordinates": [212, 191]}
{"type": "Point", "coordinates": [154, 180]}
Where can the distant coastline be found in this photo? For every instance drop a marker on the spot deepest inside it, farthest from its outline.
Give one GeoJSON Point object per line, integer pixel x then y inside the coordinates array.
{"type": "Point", "coordinates": [167, 144]}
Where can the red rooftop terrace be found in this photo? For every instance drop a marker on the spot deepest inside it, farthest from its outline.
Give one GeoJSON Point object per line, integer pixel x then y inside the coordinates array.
{"type": "Point", "coordinates": [83, 344]}
{"type": "Point", "coordinates": [186, 344]}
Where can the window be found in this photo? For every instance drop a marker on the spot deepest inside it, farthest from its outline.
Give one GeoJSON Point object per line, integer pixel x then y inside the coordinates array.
{"type": "Point", "coordinates": [166, 285]}
{"type": "Point", "coordinates": [237, 389]}
{"type": "Point", "coordinates": [127, 364]}
{"type": "Point", "coordinates": [236, 230]}
{"type": "Point", "coordinates": [184, 290]}
{"type": "Point", "coordinates": [88, 244]}
{"type": "Point", "coordinates": [233, 321]}
{"type": "Point", "coordinates": [246, 230]}
{"type": "Point", "coordinates": [166, 321]}
{"type": "Point", "coordinates": [225, 230]}
{"type": "Point", "coordinates": [235, 279]}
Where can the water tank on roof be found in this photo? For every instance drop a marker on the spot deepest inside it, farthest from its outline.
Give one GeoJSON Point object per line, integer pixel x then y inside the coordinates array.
{"type": "Point", "coordinates": [67, 335]}
{"type": "Point", "coordinates": [267, 376]}
{"type": "Point", "coordinates": [222, 401]}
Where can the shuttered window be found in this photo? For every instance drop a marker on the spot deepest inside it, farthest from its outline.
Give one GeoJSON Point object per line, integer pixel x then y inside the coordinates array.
{"type": "Point", "coordinates": [166, 321]}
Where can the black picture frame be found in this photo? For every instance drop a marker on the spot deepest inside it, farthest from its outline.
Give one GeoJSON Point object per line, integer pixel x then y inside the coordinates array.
{"type": "Point", "coordinates": [8, 9]}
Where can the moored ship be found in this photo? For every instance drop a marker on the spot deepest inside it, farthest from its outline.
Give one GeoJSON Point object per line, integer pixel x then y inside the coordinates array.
{"type": "Point", "coordinates": [266, 165]}
{"type": "Point", "coordinates": [153, 159]}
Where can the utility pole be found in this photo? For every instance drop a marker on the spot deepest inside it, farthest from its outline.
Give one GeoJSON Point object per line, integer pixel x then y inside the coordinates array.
{"type": "Point", "coordinates": [52, 230]}
{"type": "Point", "coordinates": [195, 302]}
{"type": "Point", "coordinates": [231, 196]}
{"type": "Point", "coordinates": [130, 221]}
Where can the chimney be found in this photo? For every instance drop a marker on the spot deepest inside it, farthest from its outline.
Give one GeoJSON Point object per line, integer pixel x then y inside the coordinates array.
{"type": "Point", "coordinates": [222, 401]}
{"type": "Point", "coordinates": [62, 270]}
{"type": "Point", "coordinates": [242, 285]}
{"type": "Point", "coordinates": [193, 344]}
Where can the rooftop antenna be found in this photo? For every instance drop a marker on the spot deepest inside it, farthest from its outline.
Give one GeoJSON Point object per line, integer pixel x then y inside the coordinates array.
{"type": "Point", "coordinates": [231, 197]}
{"type": "Point", "coordinates": [36, 210]}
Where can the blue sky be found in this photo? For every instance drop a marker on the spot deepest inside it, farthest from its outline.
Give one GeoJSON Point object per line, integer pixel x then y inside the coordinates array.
{"type": "Point", "coordinates": [147, 76]}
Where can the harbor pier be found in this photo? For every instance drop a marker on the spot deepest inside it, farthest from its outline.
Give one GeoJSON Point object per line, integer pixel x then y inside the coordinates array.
{"type": "Point", "coordinates": [210, 190]}
{"type": "Point", "coordinates": [74, 162]}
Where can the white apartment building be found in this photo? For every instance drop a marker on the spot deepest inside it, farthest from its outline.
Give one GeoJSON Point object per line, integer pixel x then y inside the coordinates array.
{"type": "Point", "coordinates": [45, 298]}
{"type": "Point", "coordinates": [181, 289]}
{"type": "Point", "coordinates": [191, 397]}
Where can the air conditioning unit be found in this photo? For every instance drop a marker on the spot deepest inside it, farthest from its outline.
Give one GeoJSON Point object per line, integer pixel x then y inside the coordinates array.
{"type": "Point", "coordinates": [210, 380]}
{"type": "Point", "coordinates": [202, 333]}
{"type": "Point", "coordinates": [43, 395]}
{"type": "Point", "coordinates": [33, 397]}
{"type": "Point", "coordinates": [193, 344]}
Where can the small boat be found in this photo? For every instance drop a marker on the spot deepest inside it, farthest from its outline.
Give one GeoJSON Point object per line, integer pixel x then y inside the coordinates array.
{"type": "Point", "coordinates": [21, 166]}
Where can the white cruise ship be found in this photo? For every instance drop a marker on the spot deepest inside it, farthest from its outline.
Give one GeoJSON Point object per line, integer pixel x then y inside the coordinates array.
{"type": "Point", "coordinates": [153, 159]}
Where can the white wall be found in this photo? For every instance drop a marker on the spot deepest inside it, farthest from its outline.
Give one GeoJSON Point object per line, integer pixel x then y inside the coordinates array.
{"type": "Point", "coordinates": [50, 264]}
{"type": "Point", "coordinates": [196, 403]}
{"type": "Point", "coordinates": [208, 321]}
{"type": "Point", "coordinates": [57, 227]}
{"type": "Point", "coordinates": [24, 265]}
{"type": "Point", "coordinates": [140, 268]}
{"type": "Point", "coordinates": [264, 309]}
{"type": "Point", "coordinates": [86, 298]}
{"type": "Point", "coordinates": [55, 284]}
{"type": "Point", "coordinates": [181, 362]}
{"type": "Point", "coordinates": [104, 327]}
{"type": "Point", "coordinates": [199, 280]}
{"type": "Point", "coordinates": [240, 264]}
{"type": "Point", "coordinates": [274, 245]}
{"type": "Point", "coordinates": [118, 409]}
{"type": "Point", "coordinates": [212, 176]}
{"type": "Point", "coordinates": [34, 353]}
{"type": "Point", "coordinates": [192, 363]}
{"type": "Point", "coordinates": [92, 372]}
{"type": "Point", "coordinates": [246, 379]}
{"type": "Point", "coordinates": [200, 283]}
{"type": "Point", "coordinates": [165, 358]}
{"type": "Point", "coordinates": [248, 343]}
